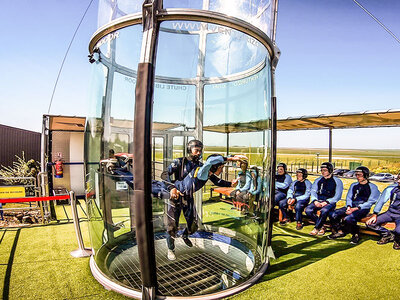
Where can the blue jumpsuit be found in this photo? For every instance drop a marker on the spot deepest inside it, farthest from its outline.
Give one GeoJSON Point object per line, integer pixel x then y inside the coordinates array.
{"type": "Point", "coordinates": [177, 171]}
{"type": "Point", "coordinates": [157, 187]}
{"type": "Point", "coordinates": [300, 191]}
{"type": "Point", "coordinates": [282, 183]}
{"type": "Point", "coordinates": [243, 187]}
{"type": "Point", "coordinates": [193, 182]}
{"type": "Point", "coordinates": [198, 177]}
{"type": "Point", "coordinates": [359, 195]}
{"type": "Point", "coordinates": [324, 190]}
{"type": "Point", "coordinates": [392, 193]}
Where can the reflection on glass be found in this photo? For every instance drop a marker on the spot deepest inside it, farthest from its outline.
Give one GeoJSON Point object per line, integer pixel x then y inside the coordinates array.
{"type": "Point", "coordinates": [212, 83]}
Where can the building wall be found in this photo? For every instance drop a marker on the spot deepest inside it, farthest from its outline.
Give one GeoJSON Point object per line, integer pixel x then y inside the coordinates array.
{"type": "Point", "coordinates": [15, 140]}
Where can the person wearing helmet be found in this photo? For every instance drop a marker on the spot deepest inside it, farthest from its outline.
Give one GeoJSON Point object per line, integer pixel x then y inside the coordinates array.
{"type": "Point", "coordinates": [392, 194]}
{"type": "Point", "coordinates": [255, 189]}
{"type": "Point", "coordinates": [299, 196]}
{"type": "Point", "coordinates": [240, 193]}
{"type": "Point", "coordinates": [177, 171]}
{"type": "Point", "coordinates": [182, 166]}
{"type": "Point", "coordinates": [325, 192]}
{"type": "Point", "coordinates": [282, 183]}
{"type": "Point", "coordinates": [186, 188]}
{"type": "Point", "coordinates": [360, 198]}
{"type": "Point", "coordinates": [120, 166]}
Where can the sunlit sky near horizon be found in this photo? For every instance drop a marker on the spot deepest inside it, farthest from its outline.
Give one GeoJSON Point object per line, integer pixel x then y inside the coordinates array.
{"type": "Point", "coordinates": [335, 58]}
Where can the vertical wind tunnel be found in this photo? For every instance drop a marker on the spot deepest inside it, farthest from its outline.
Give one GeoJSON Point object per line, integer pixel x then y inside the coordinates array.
{"type": "Point", "coordinates": [164, 73]}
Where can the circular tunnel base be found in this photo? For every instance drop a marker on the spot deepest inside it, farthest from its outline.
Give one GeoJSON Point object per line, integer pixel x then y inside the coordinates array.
{"type": "Point", "coordinates": [213, 264]}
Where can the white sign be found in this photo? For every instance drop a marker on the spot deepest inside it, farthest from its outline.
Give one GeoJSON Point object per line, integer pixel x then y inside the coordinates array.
{"type": "Point", "coordinates": [121, 185]}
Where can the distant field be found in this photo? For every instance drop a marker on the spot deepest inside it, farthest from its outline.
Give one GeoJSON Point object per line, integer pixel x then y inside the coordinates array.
{"type": "Point", "coordinates": [376, 160]}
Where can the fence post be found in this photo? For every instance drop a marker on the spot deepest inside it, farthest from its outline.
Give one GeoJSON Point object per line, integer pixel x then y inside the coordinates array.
{"type": "Point", "coordinates": [82, 251]}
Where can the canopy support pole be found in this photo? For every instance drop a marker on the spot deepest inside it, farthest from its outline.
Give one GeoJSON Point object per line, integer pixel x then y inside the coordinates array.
{"type": "Point", "coordinates": [330, 144]}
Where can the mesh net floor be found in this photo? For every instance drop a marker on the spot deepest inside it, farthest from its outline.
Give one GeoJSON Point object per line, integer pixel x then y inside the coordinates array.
{"type": "Point", "coordinates": [209, 266]}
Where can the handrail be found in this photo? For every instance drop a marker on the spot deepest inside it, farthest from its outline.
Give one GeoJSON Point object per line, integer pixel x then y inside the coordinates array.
{"type": "Point", "coordinates": [81, 251]}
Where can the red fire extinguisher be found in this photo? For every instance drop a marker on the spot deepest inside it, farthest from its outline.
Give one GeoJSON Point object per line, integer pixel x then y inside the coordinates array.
{"type": "Point", "coordinates": [59, 169]}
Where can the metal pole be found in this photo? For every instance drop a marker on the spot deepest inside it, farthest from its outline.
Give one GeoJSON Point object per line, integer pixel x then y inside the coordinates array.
{"type": "Point", "coordinates": [330, 144]}
{"type": "Point", "coordinates": [142, 201]}
{"type": "Point", "coordinates": [82, 251]}
{"type": "Point", "coordinates": [227, 153]}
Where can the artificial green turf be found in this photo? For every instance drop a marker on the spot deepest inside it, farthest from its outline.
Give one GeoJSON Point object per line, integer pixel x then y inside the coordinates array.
{"type": "Point", "coordinates": [317, 268]}
{"type": "Point", "coordinates": [306, 267]}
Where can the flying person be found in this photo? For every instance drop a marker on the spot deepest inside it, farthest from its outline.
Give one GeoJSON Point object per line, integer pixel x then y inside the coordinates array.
{"type": "Point", "coordinates": [177, 171]}
{"type": "Point", "coordinates": [193, 182]}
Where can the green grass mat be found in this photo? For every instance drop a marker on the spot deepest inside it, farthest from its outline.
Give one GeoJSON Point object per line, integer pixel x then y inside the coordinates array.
{"type": "Point", "coordinates": [35, 264]}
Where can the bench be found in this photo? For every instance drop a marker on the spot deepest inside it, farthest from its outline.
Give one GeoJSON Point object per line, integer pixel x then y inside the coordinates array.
{"type": "Point", "coordinates": [225, 196]}
{"type": "Point", "coordinates": [366, 230]}
{"type": "Point", "coordinates": [363, 228]}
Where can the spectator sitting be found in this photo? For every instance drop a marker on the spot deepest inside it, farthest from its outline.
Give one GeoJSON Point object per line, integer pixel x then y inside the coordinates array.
{"type": "Point", "coordinates": [282, 183]}
{"type": "Point", "coordinates": [392, 193]}
{"type": "Point", "coordinates": [255, 188]}
{"type": "Point", "coordinates": [325, 192]}
{"type": "Point", "coordinates": [299, 195]}
{"type": "Point", "coordinates": [360, 198]}
{"type": "Point", "coordinates": [244, 182]}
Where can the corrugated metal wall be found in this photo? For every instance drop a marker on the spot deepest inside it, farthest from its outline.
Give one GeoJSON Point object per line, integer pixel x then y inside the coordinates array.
{"type": "Point", "coordinates": [15, 140]}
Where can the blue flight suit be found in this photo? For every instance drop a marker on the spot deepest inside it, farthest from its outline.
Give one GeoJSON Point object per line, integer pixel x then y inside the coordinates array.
{"type": "Point", "coordinates": [359, 195]}
{"type": "Point", "coordinates": [198, 177]}
{"type": "Point", "coordinates": [392, 193]}
{"type": "Point", "coordinates": [193, 182]}
{"type": "Point", "coordinates": [282, 183]}
{"type": "Point", "coordinates": [256, 185]}
{"type": "Point", "coordinates": [324, 190]}
{"type": "Point", "coordinates": [176, 172]}
{"type": "Point", "coordinates": [243, 186]}
{"type": "Point", "coordinates": [300, 191]}
{"type": "Point", "coordinates": [157, 187]}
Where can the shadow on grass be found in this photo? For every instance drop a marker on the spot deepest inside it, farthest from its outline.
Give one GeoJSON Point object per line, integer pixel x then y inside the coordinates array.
{"type": "Point", "coordinates": [6, 285]}
{"type": "Point", "coordinates": [292, 256]}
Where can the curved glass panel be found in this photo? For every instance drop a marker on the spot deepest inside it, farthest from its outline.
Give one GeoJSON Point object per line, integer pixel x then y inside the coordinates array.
{"type": "Point", "coordinates": [182, 45]}
{"type": "Point", "coordinates": [212, 83]}
{"type": "Point", "coordinates": [256, 12]}
{"type": "Point", "coordinates": [226, 104]}
{"type": "Point", "coordinates": [110, 10]}
{"type": "Point", "coordinates": [109, 167]}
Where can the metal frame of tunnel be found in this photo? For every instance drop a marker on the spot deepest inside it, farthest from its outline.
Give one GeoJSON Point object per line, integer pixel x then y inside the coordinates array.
{"type": "Point", "coordinates": [151, 17]}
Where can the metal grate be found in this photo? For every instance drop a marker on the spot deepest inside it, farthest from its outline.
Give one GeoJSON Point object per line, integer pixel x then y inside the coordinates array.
{"type": "Point", "coordinates": [201, 269]}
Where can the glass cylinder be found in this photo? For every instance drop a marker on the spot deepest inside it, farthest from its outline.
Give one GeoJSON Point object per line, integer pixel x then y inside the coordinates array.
{"type": "Point", "coordinates": [213, 81]}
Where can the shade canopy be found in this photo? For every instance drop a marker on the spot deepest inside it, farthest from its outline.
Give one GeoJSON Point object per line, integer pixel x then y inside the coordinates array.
{"type": "Point", "coordinates": [366, 119]}
{"type": "Point", "coordinates": [73, 123]}
{"type": "Point", "coordinates": [382, 118]}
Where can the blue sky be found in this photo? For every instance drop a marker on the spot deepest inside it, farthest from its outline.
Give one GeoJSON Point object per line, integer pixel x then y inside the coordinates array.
{"type": "Point", "coordinates": [335, 58]}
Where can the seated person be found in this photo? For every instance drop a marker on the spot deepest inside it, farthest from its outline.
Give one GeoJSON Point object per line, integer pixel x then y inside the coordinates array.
{"type": "Point", "coordinates": [255, 188]}
{"type": "Point", "coordinates": [392, 193]}
{"type": "Point", "coordinates": [299, 195]}
{"type": "Point", "coordinates": [282, 183]}
{"type": "Point", "coordinates": [360, 198]}
{"type": "Point", "coordinates": [244, 181]}
{"type": "Point", "coordinates": [325, 192]}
